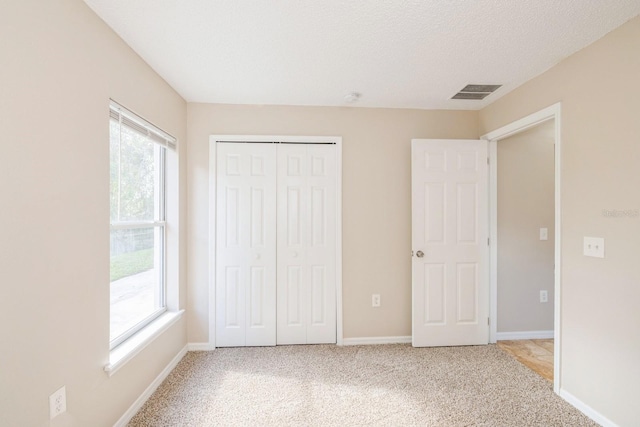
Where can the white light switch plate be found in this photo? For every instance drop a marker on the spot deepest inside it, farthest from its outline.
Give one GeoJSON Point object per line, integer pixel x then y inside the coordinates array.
{"type": "Point", "coordinates": [594, 247]}
{"type": "Point", "coordinates": [544, 296]}
{"type": "Point", "coordinates": [544, 234]}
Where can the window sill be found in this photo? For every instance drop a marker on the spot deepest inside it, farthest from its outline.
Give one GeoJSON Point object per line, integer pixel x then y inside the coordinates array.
{"type": "Point", "coordinates": [126, 351]}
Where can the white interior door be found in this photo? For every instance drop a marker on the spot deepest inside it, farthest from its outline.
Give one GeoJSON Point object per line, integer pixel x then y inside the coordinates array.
{"type": "Point", "coordinates": [450, 231]}
{"type": "Point", "coordinates": [245, 245]}
{"type": "Point", "coordinates": [306, 254]}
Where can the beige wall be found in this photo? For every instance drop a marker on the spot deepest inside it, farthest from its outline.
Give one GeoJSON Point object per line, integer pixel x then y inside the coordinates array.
{"type": "Point", "coordinates": [600, 96]}
{"type": "Point", "coordinates": [60, 66]}
{"type": "Point", "coordinates": [525, 204]}
{"type": "Point", "coordinates": [376, 200]}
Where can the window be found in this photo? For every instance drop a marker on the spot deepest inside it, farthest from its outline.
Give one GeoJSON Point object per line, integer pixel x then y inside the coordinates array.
{"type": "Point", "coordinates": [138, 152]}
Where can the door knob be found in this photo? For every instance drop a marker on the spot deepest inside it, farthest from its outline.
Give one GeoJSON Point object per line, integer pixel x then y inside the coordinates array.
{"type": "Point", "coordinates": [420, 254]}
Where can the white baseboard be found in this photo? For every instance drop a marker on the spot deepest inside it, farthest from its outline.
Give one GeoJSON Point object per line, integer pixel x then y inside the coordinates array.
{"type": "Point", "coordinates": [200, 346]}
{"type": "Point", "coordinates": [133, 409]}
{"type": "Point", "coordinates": [586, 409]}
{"type": "Point", "coordinates": [376, 340]}
{"type": "Point", "coordinates": [524, 335]}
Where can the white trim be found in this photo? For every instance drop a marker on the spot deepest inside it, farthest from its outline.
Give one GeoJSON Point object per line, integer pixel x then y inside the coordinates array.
{"type": "Point", "coordinates": [524, 123]}
{"type": "Point", "coordinates": [524, 335]}
{"type": "Point", "coordinates": [277, 138]}
{"type": "Point", "coordinates": [493, 241]}
{"type": "Point", "coordinates": [212, 241]}
{"type": "Point", "coordinates": [586, 409]}
{"type": "Point", "coordinates": [377, 340]}
{"type": "Point", "coordinates": [135, 407]}
{"type": "Point", "coordinates": [140, 224]}
{"type": "Point", "coordinates": [337, 140]}
{"type": "Point", "coordinates": [200, 346]}
{"type": "Point", "coordinates": [339, 314]}
{"type": "Point", "coordinates": [119, 356]}
{"type": "Point", "coordinates": [549, 113]}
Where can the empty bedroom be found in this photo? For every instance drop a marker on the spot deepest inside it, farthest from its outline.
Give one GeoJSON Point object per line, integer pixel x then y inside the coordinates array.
{"type": "Point", "coordinates": [303, 213]}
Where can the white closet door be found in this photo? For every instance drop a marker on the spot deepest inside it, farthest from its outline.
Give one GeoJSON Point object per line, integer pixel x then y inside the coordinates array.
{"type": "Point", "coordinates": [321, 247]}
{"type": "Point", "coordinates": [246, 245]}
{"type": "Point", "coordinates": [306, 260]}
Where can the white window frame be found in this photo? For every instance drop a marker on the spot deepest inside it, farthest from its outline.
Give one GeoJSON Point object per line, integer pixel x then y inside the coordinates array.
{"type": "Point", "coordinates": [162, 141]}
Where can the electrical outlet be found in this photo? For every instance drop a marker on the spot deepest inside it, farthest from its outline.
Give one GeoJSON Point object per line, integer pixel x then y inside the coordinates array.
{"type": "Point", "coordinates": [58, 403]}
{"type": "Point", "coordinates": [375, 300]}
{"type": "Point", "coordinates": [544, 296]}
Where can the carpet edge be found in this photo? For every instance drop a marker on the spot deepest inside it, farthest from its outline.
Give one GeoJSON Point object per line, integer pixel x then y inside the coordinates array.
{"type": "Point", "coordinates": [146, 394]}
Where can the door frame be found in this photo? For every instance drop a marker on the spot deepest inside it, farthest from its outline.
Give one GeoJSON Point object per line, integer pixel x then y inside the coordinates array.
{"type": "Point", "coordinates": [552, 112]}
{"type": "Point", "coordinates": [213, 140]}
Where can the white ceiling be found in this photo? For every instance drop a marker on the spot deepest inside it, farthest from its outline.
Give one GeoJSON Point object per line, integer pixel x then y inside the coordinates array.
{"type": "Point", "coordinates": [396, 53]}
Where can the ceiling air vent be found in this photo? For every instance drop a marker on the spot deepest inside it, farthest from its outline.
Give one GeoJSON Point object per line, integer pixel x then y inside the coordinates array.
{"type": "Point", "coordinates": [476, 92]}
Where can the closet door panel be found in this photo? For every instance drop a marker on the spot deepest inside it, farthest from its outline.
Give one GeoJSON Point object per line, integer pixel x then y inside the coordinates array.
{"type": "Point", "coordinates": [292, 223]}
{"type": "Point", "coordinates": [246, 245]}
{"type": "Point", "coordinates": [321, 247]}
{"type": "Point", "coordinates": [306, 244]}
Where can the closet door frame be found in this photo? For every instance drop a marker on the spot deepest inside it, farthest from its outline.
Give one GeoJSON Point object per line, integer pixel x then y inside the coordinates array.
{"type": "Point", "coordinates": [213, 140]}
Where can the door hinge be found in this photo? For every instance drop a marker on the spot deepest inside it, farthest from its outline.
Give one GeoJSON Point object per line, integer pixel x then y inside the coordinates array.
{"type": "Point", "coordinates": [487, 160]}
{"type": "Point", "coordinates": [488, 321]}
{"type": "Point", "coordinates": [488, 241]}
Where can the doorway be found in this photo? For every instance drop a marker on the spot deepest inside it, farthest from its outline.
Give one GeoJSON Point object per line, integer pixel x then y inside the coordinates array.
{"type": "Point", "coordinates": [549, 119]}
{"type": "Point", "coordinates": [525, 231]}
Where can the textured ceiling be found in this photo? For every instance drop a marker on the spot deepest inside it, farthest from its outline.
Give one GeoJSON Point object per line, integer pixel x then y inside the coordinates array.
{"type": "Point", "coordinates": [396, 53]}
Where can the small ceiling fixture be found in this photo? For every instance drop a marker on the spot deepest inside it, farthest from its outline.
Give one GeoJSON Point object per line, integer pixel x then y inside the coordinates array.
{"type": "Point", "coordinates": [352, 97]}
{"type": "Point", "coordinates": [476, 92]}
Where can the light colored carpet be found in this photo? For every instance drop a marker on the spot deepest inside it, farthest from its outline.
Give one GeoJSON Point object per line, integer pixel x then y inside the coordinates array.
{"type": "Point", "coordinates": [326, 385]}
